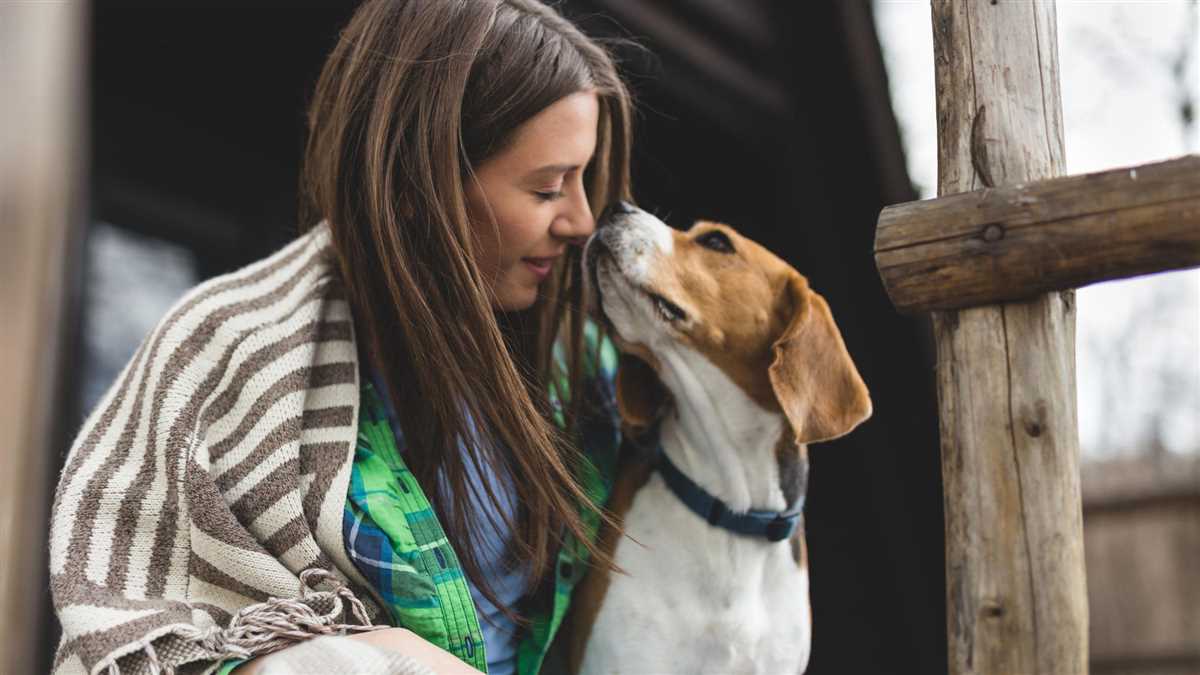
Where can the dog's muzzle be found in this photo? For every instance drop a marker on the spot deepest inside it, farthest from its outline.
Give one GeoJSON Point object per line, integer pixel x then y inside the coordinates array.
{"type": "Point", "coordinates": [617, 208]}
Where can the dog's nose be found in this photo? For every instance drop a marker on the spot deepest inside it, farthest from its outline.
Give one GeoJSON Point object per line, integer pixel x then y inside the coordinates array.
{"type": "Point", "coordinates": [617, 208]}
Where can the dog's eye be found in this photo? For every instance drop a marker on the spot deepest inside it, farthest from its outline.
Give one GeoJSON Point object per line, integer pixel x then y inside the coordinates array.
{"type": "Point", "coordinates": [669, 310]}
{"type": "Point", "coordinates": [717, 241]}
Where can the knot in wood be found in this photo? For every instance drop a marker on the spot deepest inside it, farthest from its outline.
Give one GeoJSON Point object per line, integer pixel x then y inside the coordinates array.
{"type": "Point", "coordinates": [1034, 421]}
{"type": "Point", "coordinates": [993, 232]}
{"type": "Point", "coordinates": [992, 610]}
{"type": "Point", "coordinates": [1068, 300]}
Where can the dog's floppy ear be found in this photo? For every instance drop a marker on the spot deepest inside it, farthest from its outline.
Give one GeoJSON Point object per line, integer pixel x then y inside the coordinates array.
{"type": "Point", "coordinates": [640, 394]}
{"type": "Point", "coordinates": [815, 382]}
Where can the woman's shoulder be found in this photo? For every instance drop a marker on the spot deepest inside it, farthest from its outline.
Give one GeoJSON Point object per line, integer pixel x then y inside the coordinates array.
{"type": "Point", "coordinates": [280, 313]}
{"type": "Point", "coordinates": [297, 279]}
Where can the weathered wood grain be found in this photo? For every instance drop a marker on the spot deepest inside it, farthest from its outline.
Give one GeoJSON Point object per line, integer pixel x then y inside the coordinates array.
{"type": "Point", "coordinates": [1015, 242]}
{"type": "Point", "coordinates": [1016, 591]}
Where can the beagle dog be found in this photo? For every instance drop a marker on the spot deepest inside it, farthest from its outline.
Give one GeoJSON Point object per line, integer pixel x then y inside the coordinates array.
{"type": "Point", "coordinates": [731, 365]}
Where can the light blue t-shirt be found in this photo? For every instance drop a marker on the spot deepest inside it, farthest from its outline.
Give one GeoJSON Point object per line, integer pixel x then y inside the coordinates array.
{"type": "Point", "coordinates": [509, 586]}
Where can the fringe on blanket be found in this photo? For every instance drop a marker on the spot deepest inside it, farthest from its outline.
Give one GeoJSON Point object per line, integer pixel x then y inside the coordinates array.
{"type": "Point", "coordinates": [266, 627]}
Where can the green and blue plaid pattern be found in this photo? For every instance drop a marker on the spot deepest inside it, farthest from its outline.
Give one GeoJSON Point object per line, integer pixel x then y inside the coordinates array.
{"type": "Point", "coordinates": [396, 541]}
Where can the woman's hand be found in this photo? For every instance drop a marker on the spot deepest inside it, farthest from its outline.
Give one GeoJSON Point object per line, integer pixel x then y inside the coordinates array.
{"type": "Point", "coordinates": [406, 642]}
{"type": "Point", "coordinates": [399, 640]}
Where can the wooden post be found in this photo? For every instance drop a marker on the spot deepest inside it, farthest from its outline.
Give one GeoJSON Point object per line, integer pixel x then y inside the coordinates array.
{"type": "Point", "coordinates": [1016, 593]}
{"type": "Point", "coordinates": [42, 161]}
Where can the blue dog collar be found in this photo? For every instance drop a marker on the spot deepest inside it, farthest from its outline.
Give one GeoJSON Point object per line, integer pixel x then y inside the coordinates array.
{"type": "Point", "coordinates": [772, 525]}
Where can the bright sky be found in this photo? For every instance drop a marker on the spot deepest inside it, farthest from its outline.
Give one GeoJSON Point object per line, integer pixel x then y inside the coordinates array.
{"type": "Point", "coordinates": [1138, 341]}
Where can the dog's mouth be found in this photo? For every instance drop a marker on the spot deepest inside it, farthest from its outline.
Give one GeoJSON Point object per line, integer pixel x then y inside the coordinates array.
{"type": "Point", "coordinates": [595, 249]}
{"type": "Point", "coordinates": [668, 311]}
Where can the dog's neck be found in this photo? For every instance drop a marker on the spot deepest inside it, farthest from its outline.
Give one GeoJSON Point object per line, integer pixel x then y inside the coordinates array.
{"type": "Point", "coordinates": [719, 437]}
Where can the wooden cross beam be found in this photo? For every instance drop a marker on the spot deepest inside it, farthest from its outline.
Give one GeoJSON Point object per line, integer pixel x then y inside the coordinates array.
{"type": "Point", "coordinates": [1016, 242]}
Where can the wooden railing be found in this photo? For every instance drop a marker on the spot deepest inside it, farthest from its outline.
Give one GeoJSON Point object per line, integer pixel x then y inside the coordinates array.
{"type": "Point", "coordinates": [996, 258]}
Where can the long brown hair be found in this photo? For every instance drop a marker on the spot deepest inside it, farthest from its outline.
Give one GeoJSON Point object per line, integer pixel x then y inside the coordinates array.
{"type": "Point", "coordinates": [414, 95]}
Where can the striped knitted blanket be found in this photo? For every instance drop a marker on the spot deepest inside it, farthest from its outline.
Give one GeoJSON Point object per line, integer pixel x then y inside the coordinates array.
{"type": "Point", "coordinates": [212, 474]}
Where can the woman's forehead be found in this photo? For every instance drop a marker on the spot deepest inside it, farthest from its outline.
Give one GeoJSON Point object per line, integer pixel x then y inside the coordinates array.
{"type": "Point", "coordinates": [559, 138]}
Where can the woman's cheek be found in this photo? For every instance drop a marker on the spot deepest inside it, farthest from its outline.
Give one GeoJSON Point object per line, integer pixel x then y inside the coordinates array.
{"type": "Point", "coordinates": [523, 234]}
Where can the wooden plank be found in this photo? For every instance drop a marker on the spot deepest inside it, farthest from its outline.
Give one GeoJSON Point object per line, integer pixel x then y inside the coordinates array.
{"type": "Point", "coordinates": [1141, 520]}
{"type": "Point", "coordinates": [41, 151]}
{"type": "Point", "coordinates": [1141, 482]}
{"type": "Point", "coordinates": [1015, 242]}
{"type": "Point", "coordinates": [754, 89]}
{"type": "Point", "coordinates": [1016, 593]}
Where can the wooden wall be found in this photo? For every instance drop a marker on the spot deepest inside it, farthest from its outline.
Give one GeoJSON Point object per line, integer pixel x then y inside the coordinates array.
{"type": "Point", "coordinates": [1141, 520]}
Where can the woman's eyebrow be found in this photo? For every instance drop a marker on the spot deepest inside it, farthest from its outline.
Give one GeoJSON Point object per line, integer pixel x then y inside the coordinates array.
{"type": "Point", "coordinates": [554, 168]}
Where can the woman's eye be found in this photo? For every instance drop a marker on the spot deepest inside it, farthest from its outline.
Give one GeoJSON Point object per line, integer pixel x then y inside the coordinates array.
{"type": "Point", "coordinates": [717, 241]}
{"type": "Point", "coordinates": [548, 195]}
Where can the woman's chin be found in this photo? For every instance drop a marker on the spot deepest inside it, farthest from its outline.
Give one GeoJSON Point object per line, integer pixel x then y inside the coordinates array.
{"type": "Point", "coordinates": [516, 298]}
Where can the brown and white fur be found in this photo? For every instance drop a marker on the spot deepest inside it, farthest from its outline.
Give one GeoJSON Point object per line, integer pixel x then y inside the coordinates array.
{"type": "Point", "coordinates": [745, 366]}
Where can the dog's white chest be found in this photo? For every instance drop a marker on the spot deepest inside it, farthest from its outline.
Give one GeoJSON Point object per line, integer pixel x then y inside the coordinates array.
{"type": "Point", "coordinates": [698, 599]}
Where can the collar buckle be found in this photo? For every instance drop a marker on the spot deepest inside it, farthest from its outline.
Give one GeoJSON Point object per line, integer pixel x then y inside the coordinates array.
{"type": "Point", "coordinates": [716, 512]}
{"type": "Point", "coordinates": [780, 528]}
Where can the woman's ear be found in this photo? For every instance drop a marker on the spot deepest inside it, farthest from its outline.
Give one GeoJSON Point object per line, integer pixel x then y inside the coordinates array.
{"type": "Point", "coordinates": [640, 394]}
{"type": "Point", "coordinates": [813, 377]}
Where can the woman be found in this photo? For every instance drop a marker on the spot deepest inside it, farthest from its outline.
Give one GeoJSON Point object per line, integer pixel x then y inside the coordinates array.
{"type": "Point", "coordinates": [405, 406]}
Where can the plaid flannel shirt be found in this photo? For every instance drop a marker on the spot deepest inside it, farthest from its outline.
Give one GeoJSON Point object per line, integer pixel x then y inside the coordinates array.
{"type": "Point", "coordinates": [394, 538]}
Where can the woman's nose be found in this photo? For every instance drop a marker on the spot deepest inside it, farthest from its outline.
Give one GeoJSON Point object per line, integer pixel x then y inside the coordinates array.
{"type": "Point", "coordinates": [576, 223]}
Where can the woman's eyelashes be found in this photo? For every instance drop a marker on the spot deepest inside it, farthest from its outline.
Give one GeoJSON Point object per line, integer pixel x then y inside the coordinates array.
{"type": "Point", "coordinates": [558, 190]}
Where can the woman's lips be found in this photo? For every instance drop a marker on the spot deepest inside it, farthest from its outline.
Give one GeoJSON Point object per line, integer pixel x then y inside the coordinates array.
{"type": "Point", "coordinates": [539, 266]}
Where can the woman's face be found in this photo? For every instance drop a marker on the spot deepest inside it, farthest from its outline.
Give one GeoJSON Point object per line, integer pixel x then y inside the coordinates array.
{"type": "Point", "coordinates": [533, 193]}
